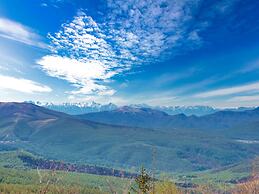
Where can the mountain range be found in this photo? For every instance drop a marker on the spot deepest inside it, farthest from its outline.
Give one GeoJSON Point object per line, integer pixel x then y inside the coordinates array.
{"type": "Point", "coordinates": [129, 137]}
{"type": "Point", "coordinates": [221, 121]}
{"type": "Point", "coordinates": [88, 107]}
{"type": "Point", "coordinates": [77, 108]}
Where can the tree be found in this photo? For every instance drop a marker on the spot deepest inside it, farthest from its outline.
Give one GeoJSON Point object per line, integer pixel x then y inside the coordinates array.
{"type": "Point", "coordinates": [143, 181]}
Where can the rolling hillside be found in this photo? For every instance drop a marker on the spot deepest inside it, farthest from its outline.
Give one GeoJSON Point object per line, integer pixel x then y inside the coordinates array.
{"type": "Point", "coordinates": [60, 136]}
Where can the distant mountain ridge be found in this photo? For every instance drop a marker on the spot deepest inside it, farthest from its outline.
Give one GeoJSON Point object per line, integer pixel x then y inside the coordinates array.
{"type": "Point", "coordinates": [89, 107]}
{"type": "Point", "coordinates": [155, 119]}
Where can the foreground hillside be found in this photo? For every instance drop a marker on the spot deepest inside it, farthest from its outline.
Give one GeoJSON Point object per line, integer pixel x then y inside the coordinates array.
{"type": "Point", "coordinates": [18, 176]}
{"type": "Point", "coordinates": [56, 135]}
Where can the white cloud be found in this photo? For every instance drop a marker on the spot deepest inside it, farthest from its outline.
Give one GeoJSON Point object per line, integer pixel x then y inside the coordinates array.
{"type": "Point", "coordinates": [15, 31]}
{"type": "Point", "coordinates": [87, 53]}
{"type": "Point", "coordinates": [151, 30]}
{"type": "Point", "coordinates": [84, 75]}
{"type": "Point", "coordinates": [229, 91]}
{"type": "Point", "coordinates": [245, 98]}
{"type": "Point", "coordinates": [22, 85]}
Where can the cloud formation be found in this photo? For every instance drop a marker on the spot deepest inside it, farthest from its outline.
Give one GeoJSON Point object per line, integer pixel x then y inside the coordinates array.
{"type": "Point", "coordinates": [22, 85]}
{"type": "Point", "coordinates": [15, 31]}
{"type": "Point", "coordinates": [151, 30]}
{"type": "Point", "coordinates": [82, 74]}
{"type": "Point", "coordinates": [128, 34]}
{"type": "Point", "coordinates": [231, 90]}
{"type": "Point", "coordinates": [245, 98]}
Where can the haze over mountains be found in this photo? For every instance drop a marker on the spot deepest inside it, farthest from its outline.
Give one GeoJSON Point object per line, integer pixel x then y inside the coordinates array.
{"type": "Point", "coordinates": [88, 107]}
{"type": "Point", "coordinates": [182, 143]}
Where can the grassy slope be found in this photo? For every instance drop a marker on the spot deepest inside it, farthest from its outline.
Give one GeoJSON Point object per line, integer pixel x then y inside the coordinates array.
{"type": "Point", "coordinates": [31, 177]}
{"type": "Point", "coordinates": [19, 174]}
{"type": "Point", "coordinates": [22, 175]}
{"type": "Point", "coordinates": [226, 175]}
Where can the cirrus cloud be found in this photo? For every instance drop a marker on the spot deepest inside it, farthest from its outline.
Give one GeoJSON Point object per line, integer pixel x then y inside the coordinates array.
{"type": "Point", "coordinates": [22, 85]}
{"type": "Point", "coordinates": [230, 90]}
{"type": "Point", "coordinates": [15, 31]}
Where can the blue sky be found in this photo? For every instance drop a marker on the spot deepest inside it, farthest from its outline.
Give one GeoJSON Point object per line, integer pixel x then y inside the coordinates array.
{"type": "Point", "coordinates": [159, 52]}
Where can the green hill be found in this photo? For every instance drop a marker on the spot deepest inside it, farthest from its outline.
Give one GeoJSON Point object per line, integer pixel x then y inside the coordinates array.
{"type": "Point", "coordinates": [59, 136]}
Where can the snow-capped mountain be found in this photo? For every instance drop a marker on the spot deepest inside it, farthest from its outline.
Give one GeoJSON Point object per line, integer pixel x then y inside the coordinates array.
{"type": "Point", "coordinates": [198, 110]}
{"type": "Point", "coordinates": [187, 110]}
{"type": "Point", "coordinates": [78, 107]}
{"type": "Point", "coordinates": [88, 107]}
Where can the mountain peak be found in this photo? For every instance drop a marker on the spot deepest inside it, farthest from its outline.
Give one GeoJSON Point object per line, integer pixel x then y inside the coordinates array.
{"type": "Point", "coordinates": [126, 109]}
{"type": "Point", "coordinates": [139, 110]}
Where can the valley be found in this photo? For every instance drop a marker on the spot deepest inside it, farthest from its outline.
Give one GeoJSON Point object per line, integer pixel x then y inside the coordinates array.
{"type": "Point", "coordinates": [90, 144]}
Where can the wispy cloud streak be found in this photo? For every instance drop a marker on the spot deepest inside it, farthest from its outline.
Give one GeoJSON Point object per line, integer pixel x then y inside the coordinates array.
{"type": "Point", "coordinates": [245, 98]}
{"type": "Point", "coordinates": [15, 31]}
{"type": "Point", "coordinates": [22, 85]}
{"type": "Point", "coordinates": [229, 91]}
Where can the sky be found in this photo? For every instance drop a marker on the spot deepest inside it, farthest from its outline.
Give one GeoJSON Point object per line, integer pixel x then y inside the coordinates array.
{"type": "Point", "coordinates": [157, 52]}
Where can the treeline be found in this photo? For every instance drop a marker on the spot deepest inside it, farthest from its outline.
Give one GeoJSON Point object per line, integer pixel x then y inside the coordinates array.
{"type": "Point", "coordinates": [40, 163]}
